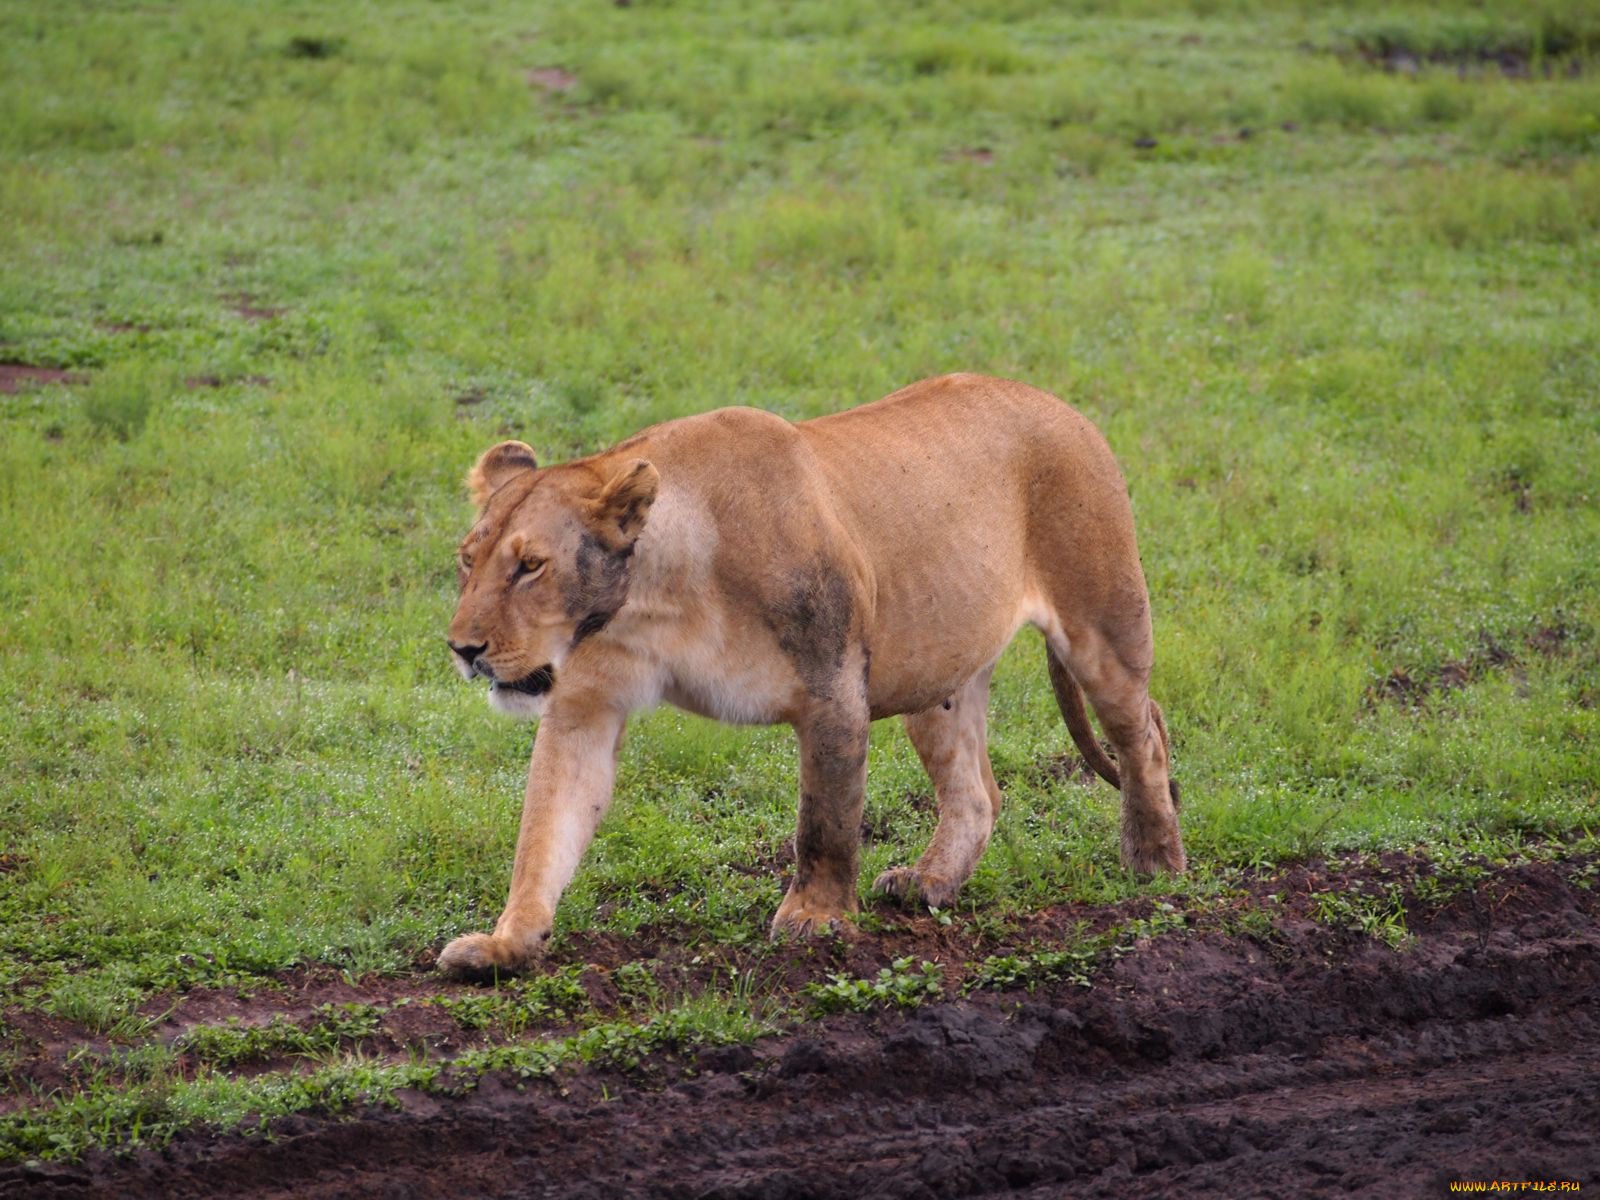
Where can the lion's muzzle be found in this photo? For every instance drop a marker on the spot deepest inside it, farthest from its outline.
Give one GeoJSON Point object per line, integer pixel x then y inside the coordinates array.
{"type": "Point", "coordinates": [466, 659]}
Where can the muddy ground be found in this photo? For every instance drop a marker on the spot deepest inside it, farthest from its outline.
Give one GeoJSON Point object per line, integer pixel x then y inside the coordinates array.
{"type": "Point", "coordinates": [1240, 1058]}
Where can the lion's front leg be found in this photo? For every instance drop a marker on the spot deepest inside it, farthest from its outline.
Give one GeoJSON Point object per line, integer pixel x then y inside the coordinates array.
{"type": "Point", "coordinates": [833, 776]}
{"type": "Point", "coordinates": [570, 778]}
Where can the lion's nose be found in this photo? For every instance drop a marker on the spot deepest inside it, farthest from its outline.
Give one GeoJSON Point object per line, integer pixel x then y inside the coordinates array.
{"type": "Point", "coordinates": [469, 653]}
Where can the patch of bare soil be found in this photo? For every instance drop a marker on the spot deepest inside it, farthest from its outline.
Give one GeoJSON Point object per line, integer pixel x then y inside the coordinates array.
{"type": "Point", "coordinates": [1561, 56]}
{"type": "Point", "coordinates": [1291, 1061]}
{"type": "Point", "coordinates": [1411, 688]}
{"type": "Point", "coordinates": [552, 79]}
{"type": "Point", "coordinates": [16, 376]}
{"type": "Point", "coordinates": [196, 382]}
{"type": "Point", "coordinates": [247, 307]}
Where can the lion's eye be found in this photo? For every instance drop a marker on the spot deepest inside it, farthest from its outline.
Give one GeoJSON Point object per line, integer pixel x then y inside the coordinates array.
{"type": "Point", "coordinates": [528, 570]}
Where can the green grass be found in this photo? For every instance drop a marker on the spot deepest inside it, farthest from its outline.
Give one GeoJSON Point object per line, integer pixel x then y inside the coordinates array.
{"type": "Point", "coordinates": [1337, 322]}
{"type": "Point", "coordinates": [1534, 35]}
{"type": "Point", "coordinates": [235, 1042]}
{"type": "Point", "coordinates": [144, 1097]}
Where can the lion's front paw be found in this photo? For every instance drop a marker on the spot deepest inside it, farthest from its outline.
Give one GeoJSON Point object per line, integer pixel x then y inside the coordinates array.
{"type": "Point", "coordinates": [478, 955]}
{"type": "Point", "coordinates": [914, 888]}
{"type": "Point", "coordinates": [801, 916]}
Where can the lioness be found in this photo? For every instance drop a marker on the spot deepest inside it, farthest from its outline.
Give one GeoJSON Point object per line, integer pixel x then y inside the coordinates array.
{"type": "Point", "coordinates": [825, 574]}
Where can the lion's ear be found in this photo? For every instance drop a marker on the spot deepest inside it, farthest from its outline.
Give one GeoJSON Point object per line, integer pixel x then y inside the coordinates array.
{"type": "Point", "coordinates": [498, 464]}
{"type": "Point", "coordinates": [618, 513]}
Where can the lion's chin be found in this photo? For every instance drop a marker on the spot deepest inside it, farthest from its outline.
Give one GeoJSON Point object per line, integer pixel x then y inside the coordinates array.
{"type": "Point", "coordinates": [526, 697]}
{"type": "Point", "coordinates": [517, 704]}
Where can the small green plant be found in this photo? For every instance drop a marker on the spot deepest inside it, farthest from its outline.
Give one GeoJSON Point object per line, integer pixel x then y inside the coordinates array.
{"type": "Point", "coordinates": [622, 1045]}
{"type": "Point", "coordinates": [1252, 923]}
{"type": "Point", "coordinates": [488, 1010]}
{"type": "Point", "coordinates": [904, 983]}
{"type": "Point", "coordinates": [235, 1042]}
{"type": "Point", "coordinates": [561, 992]}
{"type": "Point", "coordinates": [1327, 92]}
{"type": "Point", "coordinates": [1378, 915]}
{"type": "Point", "coordinates": [1164, 918]}
{"type": "Point", "coordinates": [1005, 972]}
{"type": "Point", "coordinates": [979, 52]}
{"type": "Point", "coordinates": [636, 982]}
{"type": "Point", "coordinates": [152, 1112]}
{"type": "Point", "coordinates": [521, 1003]}
{"type": "Point", "coordinates": [1452, 873]}
{"type": "Point", "coordinates": [1078, 962]}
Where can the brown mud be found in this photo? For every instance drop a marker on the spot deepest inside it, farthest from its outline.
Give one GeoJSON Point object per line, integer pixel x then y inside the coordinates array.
{"type": "Point", "coordinates": [552, 79]}
{"type": "Point", "coordinates": [16, 376]}
{"type": "Point", "coordinates": [246, 306]}
{"type": "Point", "coordinates": [1557, 50]}
{"type": "Point", "coordinates": [1412, 688]}
{"type": "Point", "coordinates": [1258, 1053]}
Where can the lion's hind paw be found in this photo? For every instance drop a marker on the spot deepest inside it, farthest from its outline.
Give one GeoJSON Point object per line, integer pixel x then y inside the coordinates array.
{"type": "Point", "coordinates": [914, 889]}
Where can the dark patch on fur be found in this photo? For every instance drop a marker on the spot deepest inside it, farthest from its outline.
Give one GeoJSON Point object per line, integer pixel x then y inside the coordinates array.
{"type": "Point", "coordinates": [1177, 799]}
{"type": "Point", "coordinates": [837, 746]}
{"type": "Point", "coordinates": [598, 584]}
{"type": "Point", "coordinates": [827, 841]}
{"type": "Point", "coordinates": [811, 836]}
{"type": "Point", "coordinates": [812, 620]}
{"type": "Point", "coordinates": [590, 625]}
{"type": "Point", "coordinates": [812, 848]}
{"type": "Point", "coordinates": [828, 838]}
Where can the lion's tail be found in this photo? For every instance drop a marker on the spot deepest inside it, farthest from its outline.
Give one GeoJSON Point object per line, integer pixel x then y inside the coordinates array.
{"type": "Point", "coordinates": [1069, 698]}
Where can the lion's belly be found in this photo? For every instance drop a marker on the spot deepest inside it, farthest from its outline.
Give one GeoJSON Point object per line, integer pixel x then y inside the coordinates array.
{"type": "Point", "coordinates": [924, 645]}
{"type": "Point", "coordinates": [929, 636]}
{"type": "Point", "coordinates": [719, 686]}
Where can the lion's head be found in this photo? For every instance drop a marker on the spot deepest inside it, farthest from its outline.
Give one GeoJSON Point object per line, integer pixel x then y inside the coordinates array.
{"type": "Point", "coordinates": [546, 565]}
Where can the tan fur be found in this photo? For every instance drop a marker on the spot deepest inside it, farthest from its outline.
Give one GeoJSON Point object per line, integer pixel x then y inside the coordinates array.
{"type": "Point", "coordinates": [823, 574]}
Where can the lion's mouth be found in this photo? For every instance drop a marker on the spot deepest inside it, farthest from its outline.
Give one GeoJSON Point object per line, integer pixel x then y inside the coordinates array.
{"type": "Point", "coordinates": [535, 683]}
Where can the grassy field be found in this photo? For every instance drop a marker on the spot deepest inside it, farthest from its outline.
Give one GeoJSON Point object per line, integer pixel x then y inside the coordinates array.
{"type": "Point", "coordinates": [1327, 277]}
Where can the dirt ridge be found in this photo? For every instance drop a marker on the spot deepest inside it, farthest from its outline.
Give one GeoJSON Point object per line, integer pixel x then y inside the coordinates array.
{"type": "Point", "coordinates": [1305, 1062]}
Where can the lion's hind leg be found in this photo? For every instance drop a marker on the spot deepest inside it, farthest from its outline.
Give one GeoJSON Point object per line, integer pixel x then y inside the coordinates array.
{"type": "Point", "coordinates": [1115, 679]}
{"type": "Point", "coordinates": [952, 740]}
